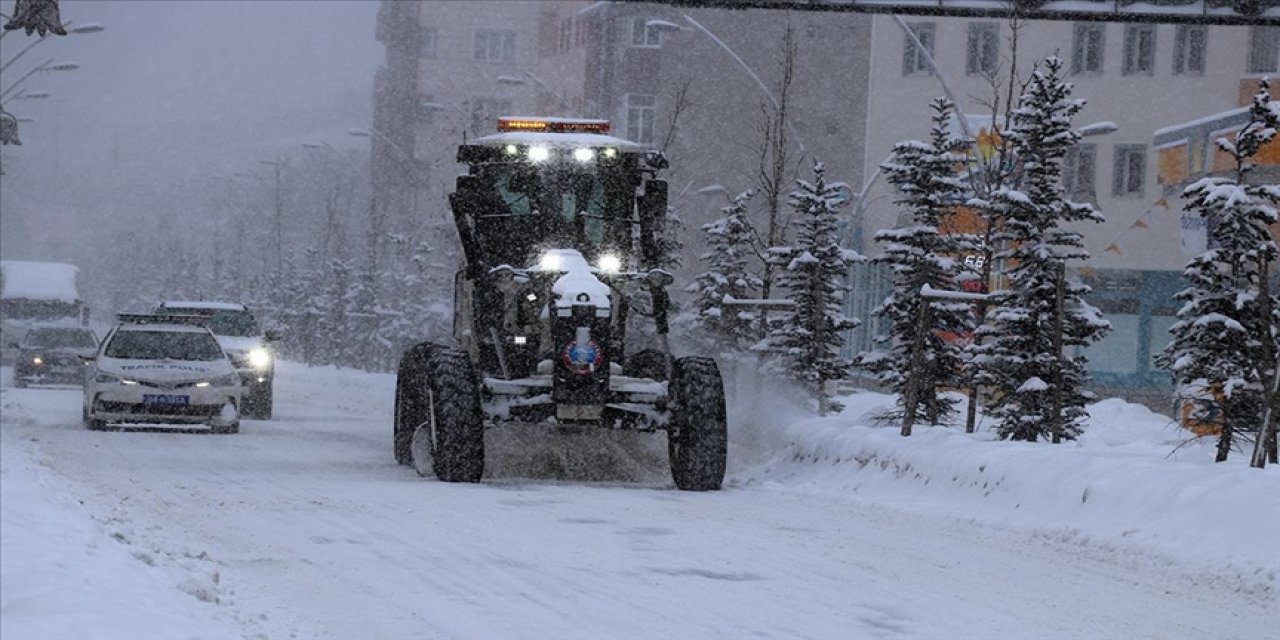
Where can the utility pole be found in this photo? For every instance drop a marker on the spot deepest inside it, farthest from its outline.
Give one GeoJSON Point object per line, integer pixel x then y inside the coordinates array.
{"type": "Point", "coordinates": [278, 221]}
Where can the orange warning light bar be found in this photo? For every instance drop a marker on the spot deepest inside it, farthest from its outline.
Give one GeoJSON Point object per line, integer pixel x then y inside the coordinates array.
{"type": "Point", "coordinates": [553, 125]}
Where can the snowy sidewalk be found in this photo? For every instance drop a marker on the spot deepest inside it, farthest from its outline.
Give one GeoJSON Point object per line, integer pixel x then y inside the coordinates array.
{"type": "Point", "coordinates": [1118, 486]}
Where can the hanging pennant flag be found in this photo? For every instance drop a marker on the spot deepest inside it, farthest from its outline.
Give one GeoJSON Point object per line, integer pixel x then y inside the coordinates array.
{"type": "Point", "coordinates": [1162, 202]}
{"type": "Point", "coordinates": [1139, 224]}
{"type": "Point", "coordinates": [1114, 249]}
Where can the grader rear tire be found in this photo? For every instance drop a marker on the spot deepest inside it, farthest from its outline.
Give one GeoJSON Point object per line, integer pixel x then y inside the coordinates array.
{"type": "Point", "coordinates": [697, 434]}
{"type": "Point", "coordinates": [439, 414]}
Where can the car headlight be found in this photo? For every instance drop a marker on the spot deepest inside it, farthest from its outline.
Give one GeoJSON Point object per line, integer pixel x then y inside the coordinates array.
{"type": "Point", "coordinates": [229, 380]}
{"type": "Point", "coordinates": [37, 360]}
{"type": "Point", "coordinates": [539, 154]}
{"type": "Point", "coordinates": [108, 378]}
{"type": "Point", "coordinates": [609, 263]}
{"type": "Point", "coordinates": [259, 358]}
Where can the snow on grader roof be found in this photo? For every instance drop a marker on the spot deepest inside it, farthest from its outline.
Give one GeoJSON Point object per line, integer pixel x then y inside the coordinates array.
{"type": "Point", "coordinates": [555, 132]}
{"type": "Point", "coordinates": [55, 281]}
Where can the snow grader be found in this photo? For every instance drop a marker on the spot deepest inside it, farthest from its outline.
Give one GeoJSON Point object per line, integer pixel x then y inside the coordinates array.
{"type": "Point", "coordinates": [560, 226]}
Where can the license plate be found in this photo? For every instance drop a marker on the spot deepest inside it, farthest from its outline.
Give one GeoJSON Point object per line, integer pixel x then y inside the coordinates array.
{"type": "Point", "coordinates": [160, 399]}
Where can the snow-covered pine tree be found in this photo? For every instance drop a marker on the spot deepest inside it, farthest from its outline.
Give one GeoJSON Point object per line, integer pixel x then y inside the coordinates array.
{"type": "Point", "coordinates": [927, 174]}
{"type": "Point", "coordinates": [731, 241]}
{"type": "Point", "coordinates": [1038, 387]}
{"type": "Point", "coordinates": [1227, 331]}
{"type": "Point", "coordinates": [813, 279]}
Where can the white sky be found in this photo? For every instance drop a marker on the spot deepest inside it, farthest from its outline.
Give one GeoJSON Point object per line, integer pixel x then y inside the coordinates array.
{"type": "Point", "coordinates": [172, 92]}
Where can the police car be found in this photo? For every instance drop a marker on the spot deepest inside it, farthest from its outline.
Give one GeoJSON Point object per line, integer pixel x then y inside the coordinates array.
{"type": "Point", "coordinates": [162, 369]}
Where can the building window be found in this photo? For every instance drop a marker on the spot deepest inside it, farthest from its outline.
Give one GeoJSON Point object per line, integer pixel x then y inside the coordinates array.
{"type": "Point", "coordinates": [427, 43]}
{"type": "Point", "coordinates": [984, 48]}
{"type": "Point", "coordinates": [643, 34]}
{"type": "Point", "coordinates": [1264, 49]}
{"type": "Point", "coordinates": [1078, 171]}
{"type": "Point", "coordinates": [494, 45]}
{"type": "Point", "coordinates": [914, 61]}
{"type": "Point", "coordinates": [564, 36]}
{"type": "Point", "coordinates": [1086, 49]}
{"type": "Point", "coordinates": [1139, 49]}
{"type": "Point", "coordinates": [1129, 177]}
{"type": "Point", "coordinates": [641, 110]}
{"type": "Point", "coordinates": [1189, 45]}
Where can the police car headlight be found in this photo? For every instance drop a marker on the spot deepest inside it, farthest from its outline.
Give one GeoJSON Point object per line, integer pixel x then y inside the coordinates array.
{"type": "Point", "coordinates": [37, 360]}
{"type": "Point", "coordinates": [584, 154]}
{"type": "Point", "coordinates": [259, 358]}
{"type": "Point", "coordinates": [539, 154]}
{"type": "Point", "coordinates": [108, 378]}
{"type": "Point", "coordinates": [609, 263]}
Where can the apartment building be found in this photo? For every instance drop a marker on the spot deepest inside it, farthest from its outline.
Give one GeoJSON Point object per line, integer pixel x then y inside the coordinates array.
{"type": "Point", "coordinates": [1138, 79]}
{"type": "Point", "coordinates": [452, 68]}
{"type": "Point", "coordinates": [447, 76]}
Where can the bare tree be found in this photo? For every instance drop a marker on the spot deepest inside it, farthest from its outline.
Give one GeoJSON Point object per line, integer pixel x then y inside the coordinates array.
{"type": "Point", "coordinates": [777, 167]}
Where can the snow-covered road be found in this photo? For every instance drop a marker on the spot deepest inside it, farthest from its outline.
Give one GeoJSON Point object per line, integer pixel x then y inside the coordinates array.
{"type": "Point", "coordinates": [304, 527]}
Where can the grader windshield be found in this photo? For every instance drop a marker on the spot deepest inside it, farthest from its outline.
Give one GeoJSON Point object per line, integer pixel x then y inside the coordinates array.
{"type": "Point", "coordinates": [527, 191]}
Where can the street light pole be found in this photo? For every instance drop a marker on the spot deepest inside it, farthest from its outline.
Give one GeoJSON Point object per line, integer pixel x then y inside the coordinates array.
{"type": "Point", "coordinates": [47, 65]}
{"type": "Point", "coordinates": [88, 28]}
{"type": "Point", "coordinates": [279, 215]}
{"type": "Point", "coordinates": [27, 95]}
{"type": "Point", "coordinates": [409, 162]}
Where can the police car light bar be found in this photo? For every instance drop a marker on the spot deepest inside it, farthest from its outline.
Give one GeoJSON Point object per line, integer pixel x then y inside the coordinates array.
{"type": "Point", "coordinates": [553, 125]}
{"type": "Point", "coordinates": [162, 318]}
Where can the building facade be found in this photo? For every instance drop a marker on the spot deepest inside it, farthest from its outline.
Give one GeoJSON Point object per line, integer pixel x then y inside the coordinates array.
{"type": "Point", "coordinates": [1138, 79]}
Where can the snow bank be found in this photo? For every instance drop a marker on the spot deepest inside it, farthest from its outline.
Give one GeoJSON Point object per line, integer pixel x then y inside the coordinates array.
{"type": "Point", "coordinates": [1121, 485]}
{"type": "Point", "coordinates": [65, 576]}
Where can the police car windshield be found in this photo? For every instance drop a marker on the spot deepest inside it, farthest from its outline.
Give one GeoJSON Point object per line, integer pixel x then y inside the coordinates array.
{"type": "Point", "coordinates": [61, 339]}
{"type": "Point", "coordinates": [163, 345]}
{"type": "Point", "coordinates": [225, 323]}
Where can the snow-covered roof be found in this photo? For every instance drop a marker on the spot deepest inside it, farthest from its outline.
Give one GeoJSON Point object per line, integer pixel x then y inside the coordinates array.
{"type": "Point", "coordinates": [556, 140]}
{"type": "Point", "coordinates": [202, 304]}
{"type": "Point", "coordinates": [162, 327]}
{"type": "Point", "coordinates": [1220, 121]}
{"type": "Point", "coordinates": [54, 281]}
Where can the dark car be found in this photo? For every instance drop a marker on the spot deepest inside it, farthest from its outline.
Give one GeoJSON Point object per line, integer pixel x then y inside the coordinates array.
{"type": "Point", "coordinates": [53, 355]}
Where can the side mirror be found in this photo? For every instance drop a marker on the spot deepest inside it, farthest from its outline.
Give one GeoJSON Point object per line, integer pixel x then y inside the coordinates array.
{"type": "Point", "coordinates": [653, 215]}
{"type": "Point", "coordinates": [89, 359]}
{"type": "Point", "coordinates": [272, 335]}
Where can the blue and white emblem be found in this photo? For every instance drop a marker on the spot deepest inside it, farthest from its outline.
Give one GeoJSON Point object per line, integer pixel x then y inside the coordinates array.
{"type": "Point", "coordinates": [582, 358]}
